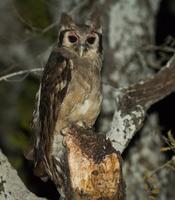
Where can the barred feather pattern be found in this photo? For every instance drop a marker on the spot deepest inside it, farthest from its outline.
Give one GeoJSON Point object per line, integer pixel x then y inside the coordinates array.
{"type": "Point", "coordinates": [54, 83]}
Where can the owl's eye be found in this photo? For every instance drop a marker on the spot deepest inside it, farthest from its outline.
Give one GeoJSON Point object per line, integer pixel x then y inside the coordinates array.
{"type": "Point", "coordinates": [91, 40]}
{"type": "Point", "coordinates": [72, 38]}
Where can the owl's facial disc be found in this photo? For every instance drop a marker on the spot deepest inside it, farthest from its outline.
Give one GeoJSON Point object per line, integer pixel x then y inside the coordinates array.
{"type": "Point", "coordinates": [83, 43]}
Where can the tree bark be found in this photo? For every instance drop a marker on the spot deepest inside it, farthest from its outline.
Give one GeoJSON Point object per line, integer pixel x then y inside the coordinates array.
{"type": "Point", "coordinates": [134, 101]}
{"type": "Point", "coordinates": [91, 167]}
{"type": "Point", "coordinates": [11, 187]}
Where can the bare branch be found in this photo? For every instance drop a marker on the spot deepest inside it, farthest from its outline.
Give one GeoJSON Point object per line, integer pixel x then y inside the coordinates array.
{"type": "Point", "coordinates": [52, 25]}
{"type": "Point", "coordinates": [22, 72]}
{"type": "Point", "coordinates": [159, 48]}
{"type": "Point", "coordinates": [134, 101]}
{"type": "Point", "coordinates": [23, 21]}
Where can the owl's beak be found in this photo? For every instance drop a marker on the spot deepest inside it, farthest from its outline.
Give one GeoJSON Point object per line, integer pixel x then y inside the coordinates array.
{"type": "Point", "coordinates": [81, 49]}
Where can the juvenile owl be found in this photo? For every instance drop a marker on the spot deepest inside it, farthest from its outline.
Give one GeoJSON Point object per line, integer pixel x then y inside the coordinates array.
{"type": "Point", "coordinates": [70, 90]}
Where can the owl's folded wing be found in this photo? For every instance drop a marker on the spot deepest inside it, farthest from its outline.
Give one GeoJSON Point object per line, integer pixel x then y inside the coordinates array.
{"type": "Point", "coordinates": [55, 80]}
{"type": "Point", "coordinates": [53, 88]}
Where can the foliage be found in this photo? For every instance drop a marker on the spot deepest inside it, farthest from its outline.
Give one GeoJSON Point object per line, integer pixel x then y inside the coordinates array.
{"type": "Point", "coordinates": [151, 179]}
{"type": "Point", "coordinates": [170, 140]}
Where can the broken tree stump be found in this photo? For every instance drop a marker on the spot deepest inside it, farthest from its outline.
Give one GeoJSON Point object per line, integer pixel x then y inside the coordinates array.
{"type": "Point", "coordinates": [91, 169]}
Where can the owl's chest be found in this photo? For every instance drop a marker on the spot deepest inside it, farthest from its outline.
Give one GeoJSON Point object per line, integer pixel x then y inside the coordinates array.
{"type": "Point", "coordinates": [83, 99]}
{"type": "Point", "coordinates": [84, 89]}
{"type": "Point", "coordinates": [85, 80]}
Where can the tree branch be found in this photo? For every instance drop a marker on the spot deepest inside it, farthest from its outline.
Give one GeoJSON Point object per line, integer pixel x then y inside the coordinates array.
{"type": "Point", "coordinates": [133, 102]}
{"type": "Point", "coordinates": [22, 72]}
{"type": "Point", "coordinates": [11, 187]}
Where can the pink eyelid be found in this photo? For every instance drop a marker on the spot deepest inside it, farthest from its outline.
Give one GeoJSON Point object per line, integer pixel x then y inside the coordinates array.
{"type": "Point", "coordinates": [73, 34]}
{"type": "Point", "coordinates": [91, 35]}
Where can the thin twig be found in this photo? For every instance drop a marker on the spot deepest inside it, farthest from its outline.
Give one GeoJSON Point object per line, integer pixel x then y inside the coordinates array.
{"type": "Point", "coordinates": [24, 21]}
{"type": "Point", "coordinates": [158, 169]}
{"type": "Point", "coordinates": [54, 24]}
{"type": "Point", "coordinates": [159, 48]}
{"type": "Point", "coordinates": [27, 71]}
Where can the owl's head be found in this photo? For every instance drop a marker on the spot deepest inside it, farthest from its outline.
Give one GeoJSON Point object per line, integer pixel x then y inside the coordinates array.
{"type": "Point", "coordinates": [84, 39]}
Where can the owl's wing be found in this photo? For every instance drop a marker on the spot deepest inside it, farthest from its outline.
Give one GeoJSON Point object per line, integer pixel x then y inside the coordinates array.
{"type": "Point", "coordinates": [55, 80]}
{"type": "Point", "coordinates": [54, 83]}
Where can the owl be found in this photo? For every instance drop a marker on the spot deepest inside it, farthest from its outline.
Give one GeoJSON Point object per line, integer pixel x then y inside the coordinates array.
{"type": "Point", "coordinates": [70, 89]}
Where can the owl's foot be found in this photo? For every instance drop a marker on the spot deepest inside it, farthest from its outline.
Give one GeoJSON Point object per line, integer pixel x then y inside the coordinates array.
{"type": "Point", "coordinates": [84, 125]}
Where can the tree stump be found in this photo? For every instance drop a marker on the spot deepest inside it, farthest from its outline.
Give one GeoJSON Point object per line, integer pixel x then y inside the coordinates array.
{"type": "Point", "coordinates": [91, 169]}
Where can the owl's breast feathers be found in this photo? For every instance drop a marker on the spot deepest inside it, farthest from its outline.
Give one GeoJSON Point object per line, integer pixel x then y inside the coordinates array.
{"type": "Point", "coordinates": [83, 98]}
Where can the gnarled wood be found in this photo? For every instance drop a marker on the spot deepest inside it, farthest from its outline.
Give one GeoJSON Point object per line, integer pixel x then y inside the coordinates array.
{"type": "Point", "coordinates": [91, 169]}
{"type": "Point", "coordinates": [135, 100]}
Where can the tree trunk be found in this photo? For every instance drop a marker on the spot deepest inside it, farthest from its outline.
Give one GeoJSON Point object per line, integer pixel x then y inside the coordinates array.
{"type": "Point", "coordinates": [11, 187]}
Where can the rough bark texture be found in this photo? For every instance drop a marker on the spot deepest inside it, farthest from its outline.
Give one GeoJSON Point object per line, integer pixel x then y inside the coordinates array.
{"type": "Point", "coordinates": [91, 167]}
{"type": "Point", "coordinates": [127, 32]}
{"type": "Point", "coordinates": [134, 101]}
{"type": "Point", "coordinates": [11, 187]}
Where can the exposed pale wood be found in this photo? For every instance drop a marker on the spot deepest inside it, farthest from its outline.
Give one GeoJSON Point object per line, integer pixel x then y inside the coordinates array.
{"type": "Point", "coordinates": [91, 169]}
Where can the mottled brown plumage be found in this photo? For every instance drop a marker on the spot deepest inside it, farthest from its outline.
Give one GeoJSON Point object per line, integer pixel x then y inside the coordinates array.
{"type": "Point", "coordinates": [70, 90]}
